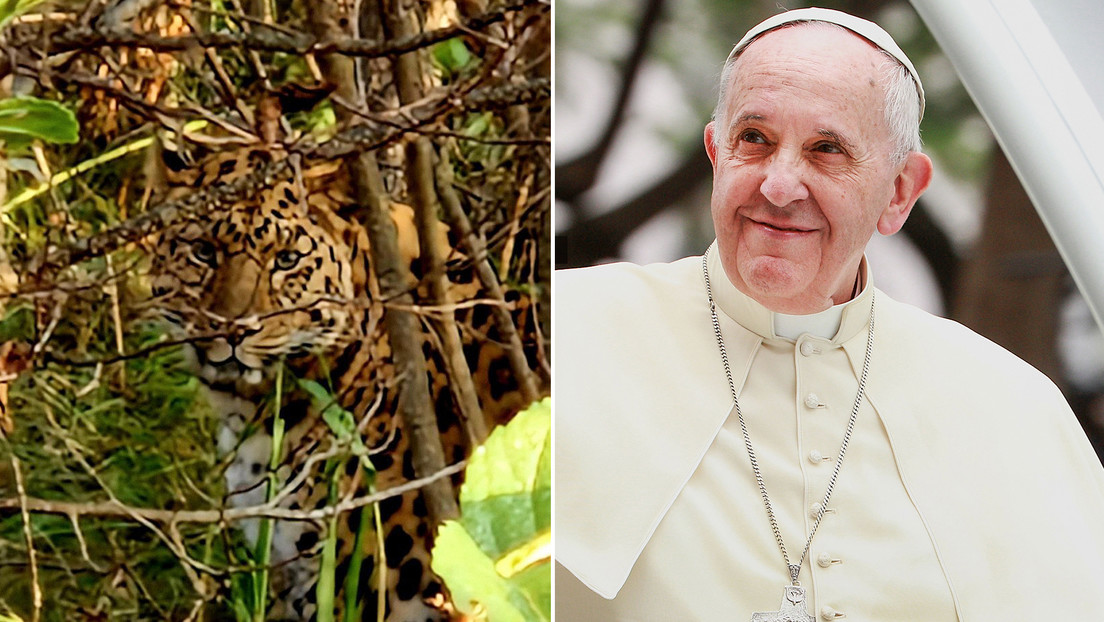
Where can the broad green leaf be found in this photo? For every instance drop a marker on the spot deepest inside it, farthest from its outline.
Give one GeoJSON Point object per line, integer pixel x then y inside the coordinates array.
{"type": "Point", "coordinates": [496, 558]}
{"type": "Point", "coordinates": [23, 119]}
{"type": "Point", "coordinates": [506, 497]}
{"type": "Point", "coordinates": [341, 422]}
{"type": "Point", "coordinates": [536, 551]}
{"type": "Point", "coordinates": [475, 585]}
{"type": "Point", "coordinates": [534, 586]}
{"type": "Point", "coordinates": [542, 494]}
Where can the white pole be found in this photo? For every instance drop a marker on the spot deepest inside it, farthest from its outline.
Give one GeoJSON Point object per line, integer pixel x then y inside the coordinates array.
{"type": "Point", "coordinates": [1042, 116]}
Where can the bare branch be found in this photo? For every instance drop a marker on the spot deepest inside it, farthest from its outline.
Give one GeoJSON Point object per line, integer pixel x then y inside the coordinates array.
{"type": "Point", "coordinates": [116, 509]}
{"type": "Point", "coordinates": [361, 138]}
{"type": "Point", "coordinates": [477, 249]}
{"type": "Point", "coordinates": [267, 39]}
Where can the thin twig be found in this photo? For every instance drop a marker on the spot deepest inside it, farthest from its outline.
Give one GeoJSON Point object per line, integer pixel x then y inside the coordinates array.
{"type": "Point", "coordinates": [147, 516]}
{"type": "Point", "coordinates": [117, 319]}
{"type": "Point", "coordinates": [75, 520]}
{"type": "Point", "coordinates": [477, 248]}
{"type": "Point", "coordinates": [24, 508]}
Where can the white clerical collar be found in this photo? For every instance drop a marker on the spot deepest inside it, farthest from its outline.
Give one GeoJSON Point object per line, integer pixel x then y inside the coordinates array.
{"type": "Point", "coordinates": [824, 324]}
{"type": "Point", "coordinates": [838, 323]}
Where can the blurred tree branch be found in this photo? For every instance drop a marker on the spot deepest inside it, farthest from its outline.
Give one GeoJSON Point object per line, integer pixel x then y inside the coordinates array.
{"type": "Point", "coordinates": [577, 176]}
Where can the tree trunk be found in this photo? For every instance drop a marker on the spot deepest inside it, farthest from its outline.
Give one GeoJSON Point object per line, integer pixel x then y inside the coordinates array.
{"type": "Point", "coordinates": [1014, 279]}
{"type": "Point", "coordinates": [403, 328]}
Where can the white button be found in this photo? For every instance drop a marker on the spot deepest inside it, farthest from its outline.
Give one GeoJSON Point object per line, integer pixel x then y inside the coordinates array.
{"type": "Point", "coordinates": [827, 613]}
{"type": "Point", "coordinates": [812, 401]}
{"type": "Point", "coordinates": [808, 349]}
{"type": "Point", "coordinates": [825, 560]}
{"type": "Point", "coordinates": [814, 509]}
{"type": "Point", "coordinates": [816, 457]}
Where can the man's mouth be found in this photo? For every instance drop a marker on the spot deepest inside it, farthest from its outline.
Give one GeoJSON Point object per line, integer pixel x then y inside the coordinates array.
{"type": "Point", "coordinates": [781, 227]}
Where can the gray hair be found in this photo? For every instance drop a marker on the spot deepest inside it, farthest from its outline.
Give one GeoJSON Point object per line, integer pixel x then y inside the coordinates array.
{"type": "Point", "coordinates": [902, 101]}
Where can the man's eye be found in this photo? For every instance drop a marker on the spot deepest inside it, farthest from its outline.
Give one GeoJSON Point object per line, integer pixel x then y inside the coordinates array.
{"type": "Point", "coordinates": [827, 148]}
{"type": "Point", "coordinates": [286, 260]}
{"type": "Point", "coordinates": [752, 136]}
{"type": "Point", "coordinates": [204, 252]}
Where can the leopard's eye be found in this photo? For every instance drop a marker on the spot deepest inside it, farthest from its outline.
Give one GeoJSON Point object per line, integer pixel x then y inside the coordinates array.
{"type": "Point", "coordinates": [287, 259]}
{"type": "Point", "coordinates": [204, 252]}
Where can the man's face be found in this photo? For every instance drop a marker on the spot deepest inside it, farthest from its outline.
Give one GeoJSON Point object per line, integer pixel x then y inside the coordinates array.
{"type": "Point", "coordinates": [802, 169]}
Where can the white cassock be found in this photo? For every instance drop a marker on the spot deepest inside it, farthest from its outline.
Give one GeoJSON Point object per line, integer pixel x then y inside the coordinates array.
{"type": "Point", "coordinates": [969, 491]}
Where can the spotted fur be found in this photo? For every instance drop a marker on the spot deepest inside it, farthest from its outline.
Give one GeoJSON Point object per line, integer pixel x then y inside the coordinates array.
{"type": "Point", "coordinates": [282, 278]}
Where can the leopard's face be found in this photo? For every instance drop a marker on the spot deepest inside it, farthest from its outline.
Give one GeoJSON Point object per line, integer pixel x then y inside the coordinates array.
{"type": "Point", "coordinates": [258, 283]}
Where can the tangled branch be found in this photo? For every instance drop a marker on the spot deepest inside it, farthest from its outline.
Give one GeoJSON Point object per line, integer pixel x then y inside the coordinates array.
{"type": "Point", "coordinates": [116, 509]}
{"type": "Point", "coordinates": [356, 139]}
{"type": "Point", "coordinates": [269, 39]}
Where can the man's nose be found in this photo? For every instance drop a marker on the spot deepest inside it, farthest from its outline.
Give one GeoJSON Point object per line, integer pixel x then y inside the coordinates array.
{"type": "Point", "coordinates": [783, 181]}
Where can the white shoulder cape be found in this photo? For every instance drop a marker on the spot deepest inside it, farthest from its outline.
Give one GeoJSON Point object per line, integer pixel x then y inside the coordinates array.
{"type": "Point", "coordinates": [986, 445]}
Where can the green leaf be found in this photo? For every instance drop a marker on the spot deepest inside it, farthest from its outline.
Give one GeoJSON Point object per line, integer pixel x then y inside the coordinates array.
{"type": "Point", "coordinates": [18, 323]}
{"type": "Point", "coordinates": [474, 583]}
{"type": "Point", "coordinates": [452, 55]}
{"type": "Point", "coordinates": [535, 587]}
{"type": "Point", "coordinates": [497, 556]}
{"type": "Point", "coordinates": [533, 552]}
{"type": "Point", "coordinates": [11, 8]}
{"type": "Point", "coordinates": [23, 119]}
{"type": "Point", "coordinates": [507, 493]}
{"type": "Point", "coordinates": [478, 125]}
{"type": "Point", "coordinates": [340, 421]}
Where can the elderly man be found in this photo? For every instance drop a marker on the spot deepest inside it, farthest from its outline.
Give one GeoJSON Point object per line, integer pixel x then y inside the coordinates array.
{"type": "Point", "coordinates": [761, 434]}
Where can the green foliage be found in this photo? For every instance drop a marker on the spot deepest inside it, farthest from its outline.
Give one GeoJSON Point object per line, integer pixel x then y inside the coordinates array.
{"type": "Point", "coordinates": [340, 421]}
{"type": "Point", "coordinates": [496, 557]}
{"type": "Point", "coordinates": [24, 119]}
{"type": "Point", "coordinates": [342, 424]}
{"type": "Point", "coordinates": [135, 431]}
{"type": "Point", "coordinates": [452, 56]}
{"type": "Point", "coordinates": [9, 9]}
{"type": "Point", "coordinates": [17, 323]}
{"type": "Point", "coordinates": [319, 122]}
{"type": "Point", "coordinates": [98, 421]}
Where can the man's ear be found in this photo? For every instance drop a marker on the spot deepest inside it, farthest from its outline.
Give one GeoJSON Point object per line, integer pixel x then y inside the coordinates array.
{"type": "Point", "coordinates": [710, 144]}
{"type": "Point", "coordinates": [910, 183]}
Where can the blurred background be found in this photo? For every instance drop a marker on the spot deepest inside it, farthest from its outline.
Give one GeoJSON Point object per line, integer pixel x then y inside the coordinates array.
{"type": "Point", "coordinates": [635, 86]}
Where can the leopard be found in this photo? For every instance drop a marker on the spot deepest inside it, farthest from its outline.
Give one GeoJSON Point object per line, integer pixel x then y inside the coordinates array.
{"type": "Point", "coordinates": [282, 284]}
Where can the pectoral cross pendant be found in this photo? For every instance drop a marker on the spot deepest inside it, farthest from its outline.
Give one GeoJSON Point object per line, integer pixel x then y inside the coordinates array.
{"type": "Point", "coordinates": [792, 610]}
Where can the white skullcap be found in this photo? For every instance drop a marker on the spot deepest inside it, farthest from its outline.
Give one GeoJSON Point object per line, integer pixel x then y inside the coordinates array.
{"type": "Point", "coordinates": [865, 29]}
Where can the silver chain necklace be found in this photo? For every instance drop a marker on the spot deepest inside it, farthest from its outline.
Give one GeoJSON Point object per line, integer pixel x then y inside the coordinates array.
{"type": "Point", "coordinates": [793, 598]}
